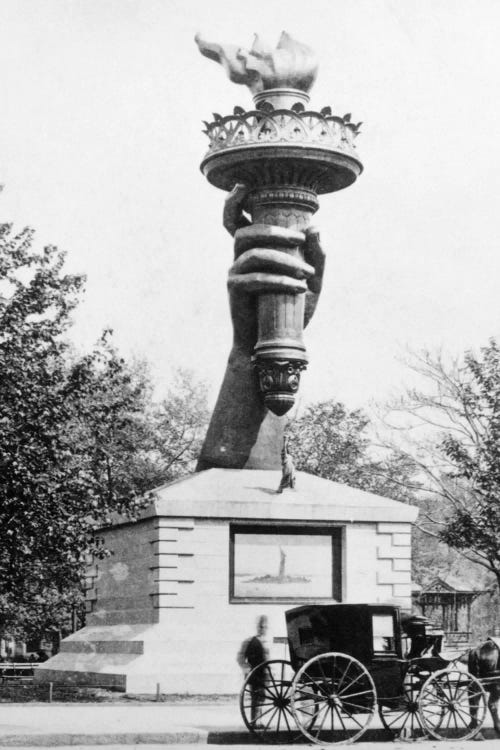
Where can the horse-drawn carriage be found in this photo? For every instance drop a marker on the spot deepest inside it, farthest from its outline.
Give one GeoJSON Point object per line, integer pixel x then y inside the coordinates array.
{"type": "Point", "coordinates": [348, 661]}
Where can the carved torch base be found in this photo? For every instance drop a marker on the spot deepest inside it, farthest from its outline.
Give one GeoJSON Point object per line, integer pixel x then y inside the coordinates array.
{"type": "Point", "coordinates": [279, 381]}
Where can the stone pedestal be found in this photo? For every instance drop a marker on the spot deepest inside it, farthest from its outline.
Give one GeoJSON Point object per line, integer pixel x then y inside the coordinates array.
{"type": "Point", "coordinates": [163, 609]}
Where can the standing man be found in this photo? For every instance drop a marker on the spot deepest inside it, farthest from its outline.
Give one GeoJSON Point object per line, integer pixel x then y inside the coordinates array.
{"type": "Point", "coordinates": [256, 652]}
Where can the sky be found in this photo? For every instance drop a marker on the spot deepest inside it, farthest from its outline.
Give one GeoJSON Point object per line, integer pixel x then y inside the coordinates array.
{"type": "Point", "coordinates": [102, 103]}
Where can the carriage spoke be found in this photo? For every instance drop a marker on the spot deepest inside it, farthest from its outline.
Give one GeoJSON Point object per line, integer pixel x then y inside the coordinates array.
{"type": "Point", "coordinates": [389, 724]}
{"type": "Point", "coordinates": [279, 720]}
{"type": "Point", "coordinates": [339, 714]}
{"type": "Point", "coordinates": [354, 695]}
{"type": "Point", "coordinates": [273, 680]}
{"type": "Point", "coordinates": [322, 671]}
{"type": "Point", "coordinates": [417, 724]}
{"type": "Point", "coordinates": [458, 684]}
{"type": "Point", "coordinates": [261, 703]}
{"type": "Point", "coordinates": [269, 692]}
{"type": "Point", "coordinates": [327, 711]}
{"type": "Point", "coordinates": [405, 720]}
{"type": "Point", "coordinates": [285, 716]}
{"type": "Point", "coordinates": [353, 718]}
{"type": "Point", "coordinates": [307, 710]}
{"type": "Point", "coordinates": [344, 676]}
{"type": "Point", "coordinates": [313, 682]}
{"type": "Point", "coordinates": [271, 719]}
{"type": "Point", "coordinates": [354, 705]}
{"type": "Point", "coordinates": [472, 696]}
{"type": "Point", "coordinates": [357, 679]}
{"type": "Point", "coordinates": [449, 689]}
{"type": "Point", "coordinates": [264, 713]}
{"type": "Point", "coordinates": [435, 708]}
{"type": "Point", "coordinates": [458, 713]}
{"type": "Point", "coordinates": [450, 714]}
{"type": "Point", "coordinates": [465, 710]}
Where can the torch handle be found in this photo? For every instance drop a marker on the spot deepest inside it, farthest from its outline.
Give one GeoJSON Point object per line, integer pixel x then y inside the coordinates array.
{"type": "Point", "coordinates": [279, 353]}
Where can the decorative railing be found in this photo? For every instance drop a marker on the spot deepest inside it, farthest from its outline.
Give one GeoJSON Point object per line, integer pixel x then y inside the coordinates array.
{"type": "Point", "coordinates": [282, 126]}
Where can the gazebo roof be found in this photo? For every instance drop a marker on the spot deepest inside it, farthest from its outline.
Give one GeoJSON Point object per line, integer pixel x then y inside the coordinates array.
{"type": "Point", "coordinates": [450, 585]}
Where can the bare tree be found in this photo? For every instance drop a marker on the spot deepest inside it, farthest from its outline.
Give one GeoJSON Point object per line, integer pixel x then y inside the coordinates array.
{"type": "Point", "coordinates": [450, 428]}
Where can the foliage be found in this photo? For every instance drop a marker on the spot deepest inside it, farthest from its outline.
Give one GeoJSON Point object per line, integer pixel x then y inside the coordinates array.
{"type": "Point", "coordinates": [451, 429]}
{"type": "Point", "coordinates": [333, 442]}
{"type": "Point", "coordinates": [81, 438]}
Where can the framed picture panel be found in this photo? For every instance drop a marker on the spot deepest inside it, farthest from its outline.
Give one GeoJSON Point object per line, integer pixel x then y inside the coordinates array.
{"type": "Point", "coordinates": [285, 563]}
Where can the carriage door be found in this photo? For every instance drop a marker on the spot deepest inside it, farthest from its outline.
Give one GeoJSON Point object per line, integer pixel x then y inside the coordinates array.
{"type": "Point", "coordinates": [385, 667]}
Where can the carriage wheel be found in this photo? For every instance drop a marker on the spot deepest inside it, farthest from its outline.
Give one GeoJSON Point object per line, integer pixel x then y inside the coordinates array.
{"type": "Point", "coordinates": [265, 702]}
{"type": "Point", "coordinates": [333, 699]}
{"type": "Point", "coordinates": [399, 715]}
{"type": "Point", "coordinates": [401, 718]}
{"type": "Point", "coordinates": [452, 705]}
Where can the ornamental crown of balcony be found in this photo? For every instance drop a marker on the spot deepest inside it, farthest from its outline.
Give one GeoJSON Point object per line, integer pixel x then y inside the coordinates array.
{"type": "Point", "coordinates": [267, 125]}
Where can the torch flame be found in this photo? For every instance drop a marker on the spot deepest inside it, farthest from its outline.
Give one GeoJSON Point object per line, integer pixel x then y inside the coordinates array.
{"type": "Point", "coordinates": [290, 65]}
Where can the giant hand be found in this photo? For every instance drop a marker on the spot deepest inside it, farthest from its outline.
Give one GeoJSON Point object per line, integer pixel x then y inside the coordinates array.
{"type": "Point", "coordinates": [242, 432]}
{"type": "Point", "coordinates": [261, 266]}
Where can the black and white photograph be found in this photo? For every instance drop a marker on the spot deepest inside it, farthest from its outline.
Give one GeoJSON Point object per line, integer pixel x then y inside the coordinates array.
{"type": "Point", "coordinates": [249, 373]}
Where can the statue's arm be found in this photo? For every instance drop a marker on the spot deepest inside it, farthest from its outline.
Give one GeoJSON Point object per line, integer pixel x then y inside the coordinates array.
{"type": "Point", "coordinates": [242, 432]}
{"type": "Point", "coordinates": [240, 423]}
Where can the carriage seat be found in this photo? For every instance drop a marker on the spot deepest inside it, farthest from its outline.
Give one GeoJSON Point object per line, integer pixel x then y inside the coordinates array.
{"type": "Point", "coordinates": [495, 639]}
{"type": "Point", "coordinates": [426, 640]}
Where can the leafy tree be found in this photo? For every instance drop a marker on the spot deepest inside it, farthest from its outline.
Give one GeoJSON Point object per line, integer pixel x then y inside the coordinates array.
{"type": "Point", "coordinates": [335, 443]}
{"type": "Point", "coordinates": [81, 438]}
{"type": "Point", "coordinates": [450, 427]}
{"type": "Point", "coordinates": [130, 442]}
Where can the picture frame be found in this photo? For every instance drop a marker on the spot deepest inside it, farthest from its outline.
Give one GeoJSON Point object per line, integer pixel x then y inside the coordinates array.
{"type": "Point", "coordinates": [277, 563]}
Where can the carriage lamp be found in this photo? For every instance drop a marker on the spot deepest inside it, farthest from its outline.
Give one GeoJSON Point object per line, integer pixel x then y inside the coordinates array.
{"type": "Point", "coordinates": [286, 155]}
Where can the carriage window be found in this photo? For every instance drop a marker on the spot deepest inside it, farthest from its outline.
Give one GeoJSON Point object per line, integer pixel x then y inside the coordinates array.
{"type": "Point", "coordinates": [306, 635]}
{"type": "Point", "coordinates": [285, 563]}
{"type": "Point", "coordinates": [383, 634]}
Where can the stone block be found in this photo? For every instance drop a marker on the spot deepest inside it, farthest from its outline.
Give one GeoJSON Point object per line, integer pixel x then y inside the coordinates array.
{"type": "Point", "coordinates": [385, 552]}
{"type": "Point", "coordinates": [133, 601]}
{"type": "Point", "coordinates": [179, 598]}
{"type": "Point", "coordinates": [102, 647]}
{"type": "Point", "coordinates": [168, 547]}
{"type": "Point", "coordinates": [180, 568]}
{"type": "Point", "coordinates": [384, 593]}
{"type": "Point", "coordinates": [403, 591]}
{"type": "Point", "coordinates": [401, 540]}
{"type": "Point", "coordinates": [401, 564]}
{"type": "Point", "coordinates": [81, 677]}
{"type": "Point", "coordinates": [174, 523]}
{"type": "Point", "coordinates": [393, 576]}
{"type": "Point", "coordinates": [111, 617]}
{"type": "Point", "coordinates": [172, 586]}
{"type": "Point", "coordinates": [394, 528]}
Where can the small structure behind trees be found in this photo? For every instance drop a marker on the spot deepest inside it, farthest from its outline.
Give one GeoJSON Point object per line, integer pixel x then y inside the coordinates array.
{"type": "Point", "coordinates": [448, 604]}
